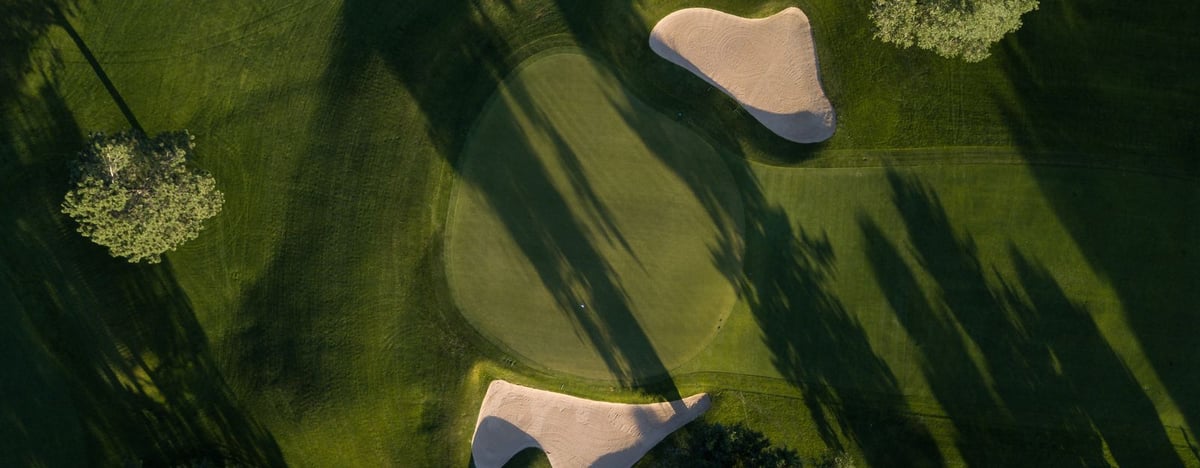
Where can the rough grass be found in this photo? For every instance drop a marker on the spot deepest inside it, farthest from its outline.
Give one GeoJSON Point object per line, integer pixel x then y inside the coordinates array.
{"type": "Point", "coordinates": [309, 323]}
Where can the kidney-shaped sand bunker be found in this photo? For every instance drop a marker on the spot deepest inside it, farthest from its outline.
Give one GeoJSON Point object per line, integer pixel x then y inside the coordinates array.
{"type": "Point", "coordinates": [589, 233]}
{"type": "Point", "coordinates": [768, 65]}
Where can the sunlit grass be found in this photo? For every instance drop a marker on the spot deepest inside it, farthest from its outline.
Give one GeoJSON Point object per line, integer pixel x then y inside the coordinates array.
{"type": "Point", "coordinates": [315, 304]}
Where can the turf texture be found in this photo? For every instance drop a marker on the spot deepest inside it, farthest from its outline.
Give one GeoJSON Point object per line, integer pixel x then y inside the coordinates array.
{"type": "Point", "coordinates": [573, 241]}
{"type": "Point", "coordinates": [1017, 288]}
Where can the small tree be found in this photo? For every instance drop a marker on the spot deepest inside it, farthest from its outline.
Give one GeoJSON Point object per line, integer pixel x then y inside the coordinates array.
{"type": "Point", "coordinates": [951, 28]}
{"type": "Point", "coordinates": [137, 196]}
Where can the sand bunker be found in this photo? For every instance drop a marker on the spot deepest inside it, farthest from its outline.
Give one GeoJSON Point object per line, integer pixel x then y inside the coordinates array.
{"type": "Point", "coordinates": [768, 65]}
{"type": "Point", "coordinates": [573, 431]}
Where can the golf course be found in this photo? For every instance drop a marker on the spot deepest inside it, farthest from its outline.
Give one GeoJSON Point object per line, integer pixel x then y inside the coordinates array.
{"type": "Point", "coordinates": [994, 263]}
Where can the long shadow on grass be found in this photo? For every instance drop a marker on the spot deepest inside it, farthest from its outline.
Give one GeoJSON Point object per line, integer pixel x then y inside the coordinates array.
{"type": "Point", "coordinates": [62, 20]}
{"type": "Point", "coordinates": [450, 86]}
{"type": "Point", "coordinates": [23, 23]}
{"type": "Point", "coordinates": [1054, 393]}
{"type": "Point", "coordinates": [616, 32]}
{"type": "Point", "coordinates": [303, 326]}
{"type": "Point", "coordinates": [784, 272]}
{"type": "Point", "coordinates": [851, 391]}
{"type": "Point", "coordinates": [300, 324]}
{"type": "Point", "coordinates": [106, 362]}
{"type": "Point", "coordinates": [450, 82]}
{"type": "Point", "coordinates": [821, 348]}
{"type": "Point", "coordinates": [1113, 84]}
{"type": "Point", "coordinates": [295, 335]}
{"type": "Point", "coordinates": [569, 265]}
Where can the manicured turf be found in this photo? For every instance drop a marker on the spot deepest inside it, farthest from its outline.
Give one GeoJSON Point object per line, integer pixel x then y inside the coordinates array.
{"type": "Point", "coordinates": [572, 240]}
{"type": "Point", "coordinates": [943, 289]}
{"type": "Point", "coordinates": [958, 288]}
{"type": "Point", "coordinates": [311, 322]}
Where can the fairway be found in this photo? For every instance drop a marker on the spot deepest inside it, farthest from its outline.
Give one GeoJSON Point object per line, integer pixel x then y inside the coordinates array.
{"type": "Point", "coordinates": [988, 264]}
{"type": "Point", "coordinates": [582, 234]}
{"type": "Point", "coordinates": [957, 291]}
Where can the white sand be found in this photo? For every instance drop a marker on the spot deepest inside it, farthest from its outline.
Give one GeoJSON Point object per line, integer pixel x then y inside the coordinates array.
{"type": "Point", "coordinates": [768, 65]}
{"type": "Point", "coordinates": [573, 431]}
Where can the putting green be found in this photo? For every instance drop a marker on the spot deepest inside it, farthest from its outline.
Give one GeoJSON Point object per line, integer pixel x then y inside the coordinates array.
{"type": "Point", "coordinates": [584, 224]}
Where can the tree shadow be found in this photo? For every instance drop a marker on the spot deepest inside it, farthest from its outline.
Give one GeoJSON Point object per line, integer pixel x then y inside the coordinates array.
{"type": "Point", "coordinates": [298, 327]}
{"type": "Point", "coordinates": [567, 262]}
{"type": "Point", "coordinates": [293, 332]}
{"type": "Point", "coordinates": [450, 84]}
{"type": "Point", "coordinates": [1117, 88]}
{"type": "Point", "coordinates": [450, 87]}
{"type": "Point", "coordinates": [821, 348]}
{"type": "Point", "coordinates": [294, 328]}
{"type": "Point", "coordinates": [709, 445]}
{"type": "Point", "coordinates": [532, 457]}
{"type": "Point", "coordinates": [708, 184]}
{"type": "Point", "coordinates": [784, 272]}
{"type": "Point", "coordinates": [507, 444]}
{"type": "Point", "coordinates": [1107, 391]}
{"type": "Point", "coordinates": [1110, 84]}
{"type": "Point", "coordinates": [292, 338]}
{"type": "Point", "coordinates": [956, 382]}
{"type": "Point", "coordinates": [25, 22]}
{"type": "Point", "coordinates": [785, 277]}
{"type": "Point", "coordinates": [22, 24]}
{"type": "Point", "coordinates": [1026, 382]}
{"type": "Point", "coordinates": [128, 373]}
{"type": "Point", "coordinates": [62, 21]}
{"type": "Point", "coordinates": [617, 34]}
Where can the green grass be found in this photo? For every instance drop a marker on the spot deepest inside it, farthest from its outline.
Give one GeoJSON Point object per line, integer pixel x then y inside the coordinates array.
{"type": "Point", "coordinates": [573, 242]}
{"type": "Point", "coordinates": [947, 290]}
{"type": "Point", "coordinates": [958, 288]}
{"type": "Point", "coordinates": [311, 323]}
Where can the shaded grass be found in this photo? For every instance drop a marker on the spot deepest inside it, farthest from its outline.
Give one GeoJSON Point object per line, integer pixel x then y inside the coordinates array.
{"type": "Point", "coordinates": [529, 458]}
{"type": "Point", "coordinates": [985, 343]}
{"type": "Point", "coordinates": [1114, 83]}
{"type": "Point", "coordinates": [570, 243]}
{"type": "Point", "coordinates": [333, 134]}
{"type": "Point", "coordinates": [966, 293]}
{"type": "Point", "coordinates": [107, 362]}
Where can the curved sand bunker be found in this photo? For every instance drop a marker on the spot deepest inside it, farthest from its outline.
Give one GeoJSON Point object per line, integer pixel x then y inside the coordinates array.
{"type": "Point", "coordinates": [573, 431]}
{"type": "Point", "coordinates": [768, 65]}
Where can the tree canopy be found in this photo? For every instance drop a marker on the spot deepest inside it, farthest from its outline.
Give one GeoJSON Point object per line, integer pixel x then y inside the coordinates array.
{"type": "Point", "coordinates": [951, 28]}
{"type": "Point", "coordinates": [138, 197]}
{"type": "Point", "coordinates": [720, 446]}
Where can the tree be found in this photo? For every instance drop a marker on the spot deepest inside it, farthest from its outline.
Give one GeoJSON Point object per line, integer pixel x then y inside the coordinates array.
{"type": "Point", "coordinates": [951, 28]}
{"type": "Point", "coordinates": [720, 446]}
{"type": "Point", "coordinates": [138, 197]}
